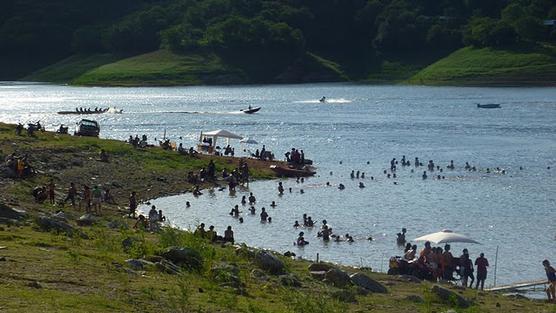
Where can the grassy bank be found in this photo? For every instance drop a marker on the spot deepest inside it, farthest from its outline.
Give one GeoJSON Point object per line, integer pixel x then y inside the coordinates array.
{"type": "Point", "coordinates": [43, 271]}
{"type": "Point", "coordinates": [490, 67]}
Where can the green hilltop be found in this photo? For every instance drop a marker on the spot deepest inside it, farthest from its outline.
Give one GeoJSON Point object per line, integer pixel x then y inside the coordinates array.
{"type": "Point", "coordinates": [184, 42]}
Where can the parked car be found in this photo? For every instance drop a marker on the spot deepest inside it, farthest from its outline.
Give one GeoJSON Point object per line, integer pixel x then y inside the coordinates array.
{"type": "Point", "coordinates": [87, 128]}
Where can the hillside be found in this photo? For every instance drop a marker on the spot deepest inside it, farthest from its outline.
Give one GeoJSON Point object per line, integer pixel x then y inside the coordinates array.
{"type": "Point", "coordinates": [491, 67]}
{"type": "Point", "coordinates": [61, 264]}
{"type": "Point", "coordinates": [182, 42]}
{"type": "Point", "coordinates": [165, 68]}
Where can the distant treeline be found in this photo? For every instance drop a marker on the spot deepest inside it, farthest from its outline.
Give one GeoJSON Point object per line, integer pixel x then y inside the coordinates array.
{"type": "Point", "coordinates": [287, 27]}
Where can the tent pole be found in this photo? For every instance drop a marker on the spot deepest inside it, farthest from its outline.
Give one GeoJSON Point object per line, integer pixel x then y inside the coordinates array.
{"type": "Point", "coordinates": [495, 265]}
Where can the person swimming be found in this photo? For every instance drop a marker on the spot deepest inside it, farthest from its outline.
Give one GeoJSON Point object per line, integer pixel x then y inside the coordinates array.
{"type": "Point", "coordinates": [361, 185]}
{"type": "Point", "coordinates": [280, 188]}
{"type": "Point", "coordinates": [296, 224]}
{"type": "Point", "coordinates": [341, 187]}
{"type": "Point", "coordinates": [243, 200]}
{"type": "Point", "coordinates": [263, 215]}
{"type": "Point", "coordinates": [425, 175]}
{"type": "Point", "coordinates": [252, 210]}
{"type": "Point", "coordinates": [301, 239]}
{"type": "Point", "coordinates": [322, 100]}
{"type": "Point", "coordinates": [273, 204]}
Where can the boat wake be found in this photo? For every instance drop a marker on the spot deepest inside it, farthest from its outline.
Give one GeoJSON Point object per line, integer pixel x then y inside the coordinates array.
{"type": "Point", "coordinates": [337, 101]}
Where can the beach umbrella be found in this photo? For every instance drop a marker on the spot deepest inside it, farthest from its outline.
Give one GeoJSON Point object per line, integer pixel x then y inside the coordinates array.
{"type": "Point", "coordinates": [249, 141]}
{"type": "Point", "coordinates": [445, 236]}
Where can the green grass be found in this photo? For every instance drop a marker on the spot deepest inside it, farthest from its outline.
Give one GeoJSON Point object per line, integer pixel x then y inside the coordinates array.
{"type": "Point", "coordinates": [68, 69]}
{"type": "Point", "coordinates": [392, 71]}
{"type": "Point", "coordinates": [162, 68]}
{"type": "Point", "coordinates": [486, 66]}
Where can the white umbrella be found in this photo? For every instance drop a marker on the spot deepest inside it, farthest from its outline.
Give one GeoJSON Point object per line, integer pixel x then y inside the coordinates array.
{"type": "Point", "coordinates": [445, 236]}
{"type": "Point", "coordinates": [249, 141]}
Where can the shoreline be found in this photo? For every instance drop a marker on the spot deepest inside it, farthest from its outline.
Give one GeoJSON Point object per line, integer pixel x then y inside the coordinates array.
{"type": "Point", "coordinates": [100, 258]}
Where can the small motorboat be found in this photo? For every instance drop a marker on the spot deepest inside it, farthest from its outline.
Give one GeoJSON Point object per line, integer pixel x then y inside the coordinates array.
{"type": "Point", "coordinates": [286, 171]}
{"type": "Point", "coordinates": [488, 106]}
{"type": "Point", "coordinates": [251, 110]}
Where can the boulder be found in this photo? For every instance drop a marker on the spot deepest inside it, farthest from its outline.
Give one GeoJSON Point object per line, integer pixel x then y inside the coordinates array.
{"type": "Point", "coordinates": [12, 213]}
{"type": "Point", "coordinates": [318, 275]}
{"type": "Point", "coordinates": [184, 257]}
{"type": "Point", "coordinates": [409, 278]}
{"type": "Point", "coordinates": [168, 267]}
{"type": "Point", "coordinates": [127, 243]}
{"type": "Point", "coordinates": [337, 278]}
{"type": "Point", "coordinates": [364, 281]}
{"type": "Point", "coordinates": [140, 264]}
{"type": "Point", "coordinates": [47, 223]}
{"type": "Point", "coordinates": [320, 267]}
{"type": "Point", "coordinates": [268, 262]}
{"type": "Point", "coordinates": [227, 274]}
{"type": "Point", "coordinates": [290, 280]}
{"type": "Point", "coordinates": [448, 295]}
{"type": "Point", "coordinates": [245, 251]}
{"type": "Point", "coordinates": [86, 220]}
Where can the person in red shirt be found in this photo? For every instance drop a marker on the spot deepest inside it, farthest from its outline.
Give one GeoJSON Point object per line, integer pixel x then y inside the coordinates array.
{"type": "Point", "coordinates": [482, 263]}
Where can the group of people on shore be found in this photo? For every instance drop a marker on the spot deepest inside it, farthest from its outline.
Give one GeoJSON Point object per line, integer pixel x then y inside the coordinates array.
{"type": "Point", "coordinates": [89, 199]}
{"type": "Point", "coordinates": [437, 263]}
{"type": "Point", "coordinates": [152, 223]}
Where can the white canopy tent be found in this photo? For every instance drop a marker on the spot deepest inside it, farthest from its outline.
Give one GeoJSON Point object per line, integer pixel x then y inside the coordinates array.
{"type": "Point", "coordinates": [219, 133]}
{"type": "Point", "coordinates": [445, 236]}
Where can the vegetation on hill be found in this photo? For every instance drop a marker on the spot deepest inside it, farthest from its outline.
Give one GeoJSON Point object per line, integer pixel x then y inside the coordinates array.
{"type": "Point", "coordinates": [88, 268]}
{"type": "Point", "coordinates": [488, 66]}
{"type": "Point", "coordinates": [264, 39]}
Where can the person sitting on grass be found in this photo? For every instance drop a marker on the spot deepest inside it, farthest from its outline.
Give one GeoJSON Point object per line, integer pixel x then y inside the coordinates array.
{"type": "Point", "coordinates": [211, 234]}
{"type": "Point", "coordinates": [200, 231]}
{"type": "Point", "coordinates": [141, 223]}
{"type": "Point", "coordinates": [229, 235]}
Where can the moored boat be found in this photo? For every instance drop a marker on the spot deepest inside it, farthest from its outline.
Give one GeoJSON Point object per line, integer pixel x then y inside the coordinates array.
{"type": "Point", "coordinates": [287, 171]}
{"type": "Point", "coordinates": [488, 106]}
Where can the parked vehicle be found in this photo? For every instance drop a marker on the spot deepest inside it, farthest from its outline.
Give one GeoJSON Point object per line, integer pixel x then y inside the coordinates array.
{"type": "Point", "coordinates": [87, 128]}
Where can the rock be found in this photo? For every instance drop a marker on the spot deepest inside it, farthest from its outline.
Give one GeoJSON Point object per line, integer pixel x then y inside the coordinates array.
{"type": "Point", "coordinates": [415, 298]}
{"type": "Point", "coordinates": [344, 296]}
{"type": "Point", "coordinates": [258, 274]}
{"type": "Point", "coordinates": [77, 162]}
{"type": "Point", "coordinates": [289, 254]}
{"type": "Point", "coordinates": [318, 275]}
{"type": "Point", "coordinates": [268, 262]}
{"type": "Point", "coordinates": [226, 274]}
{"type": "Point", "coordinates": [364, 281]}
{"type": "Point", "coordinates": [337, 278]}
{"type": "Point", "coordinates": [320, 267]}
{"type": "Point", "coordinates": [12, 213]}
{"type": "Point", "coordinates": [154, 258]}
{"type": "Point", "coordinates": [3, 259]}
{"type": "Point", "coordinates": [409, 278]}
{"type": "Point", "coordinates": [185, 257]}
{"type": "Point", "coordinates": [140, 264]}
{"type": "Point", "coordinates": [86, 220]}
{"type": "Point", "coordinates": [449, 296]}
{"type": "Point", "coordinates": [290, 280]}
{"type": "Point", "coordinates": [128, 243]}
{"type": "Point", "coordinates": [167, 267]}
{"type": "Point", "coordinates": [47, 223]}
{"type": "Point", "coordinates": [9, 221]}
{"type": "Point", "coordinates": [116, 224]}
{"type": "Point", "coordinates": [245, 251]}
{"type": "Point", "coordinates": [34, 284]}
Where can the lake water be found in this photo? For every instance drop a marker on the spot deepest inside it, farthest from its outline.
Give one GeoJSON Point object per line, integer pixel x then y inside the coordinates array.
{"type": "Point", "coordinates": [361, 124]}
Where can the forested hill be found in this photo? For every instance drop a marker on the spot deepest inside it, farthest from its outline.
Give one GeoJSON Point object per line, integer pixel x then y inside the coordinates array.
{"type": "Point", "coordinates": [204, 41]}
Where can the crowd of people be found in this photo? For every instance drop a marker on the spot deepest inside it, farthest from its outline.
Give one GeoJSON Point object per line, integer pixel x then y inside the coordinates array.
{"type": "Point", "coordinates": [437, 263]}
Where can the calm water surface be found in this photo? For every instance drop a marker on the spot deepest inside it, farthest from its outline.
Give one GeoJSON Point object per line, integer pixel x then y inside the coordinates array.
{"type": "Point", "coordinates": [362, 124]}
